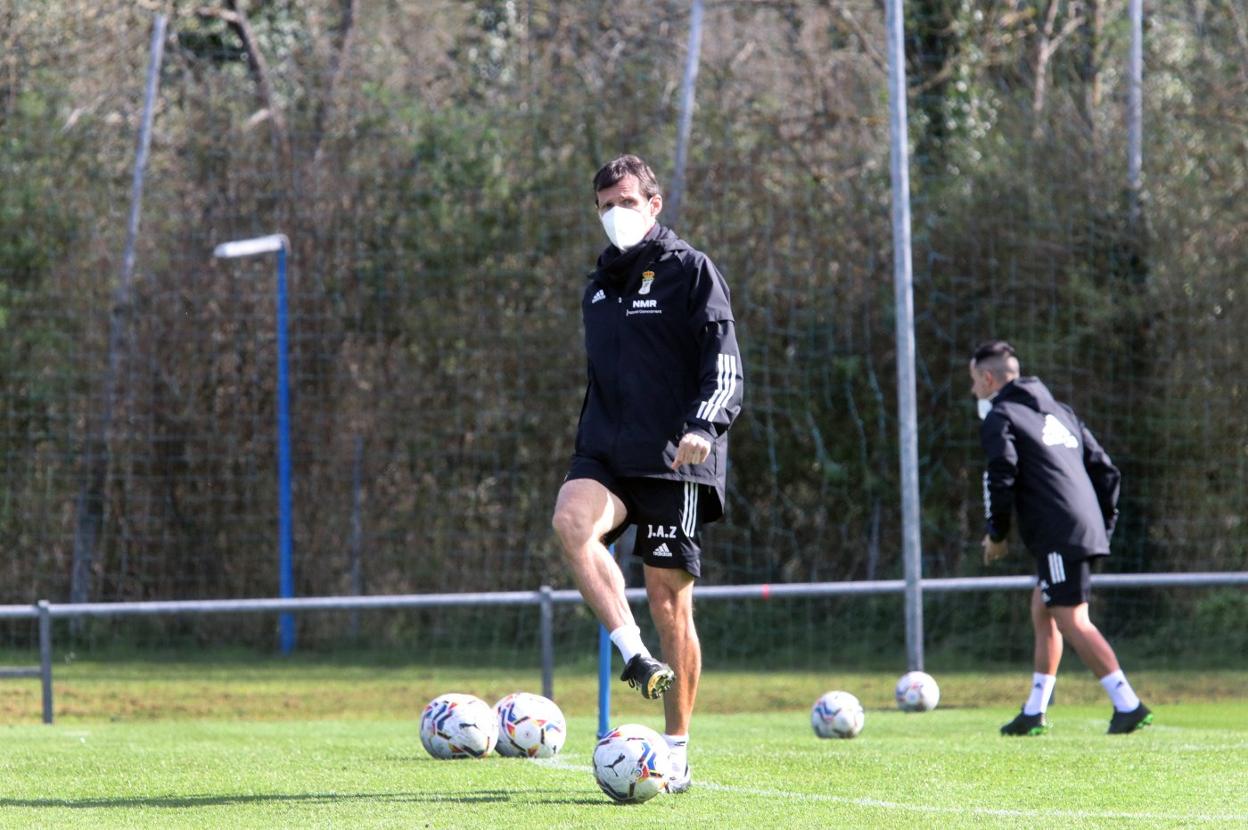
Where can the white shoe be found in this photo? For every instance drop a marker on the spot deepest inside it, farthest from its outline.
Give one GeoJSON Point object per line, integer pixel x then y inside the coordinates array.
{"type": "Point", "coordinates": [679, 783]}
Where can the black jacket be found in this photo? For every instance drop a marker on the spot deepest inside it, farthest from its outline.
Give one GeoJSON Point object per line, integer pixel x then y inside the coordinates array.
{"type": "Point", "coordinates": [1044, 463]}
{"type": "Point", "coordinates": [663, 361]}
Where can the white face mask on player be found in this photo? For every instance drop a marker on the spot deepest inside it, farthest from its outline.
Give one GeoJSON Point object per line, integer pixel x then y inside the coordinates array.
{"type": "Point", "coordinates": [625, 227]}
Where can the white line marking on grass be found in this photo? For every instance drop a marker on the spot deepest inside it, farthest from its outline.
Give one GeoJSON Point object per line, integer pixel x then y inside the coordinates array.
{"type": "Point", "coordinates": [1211, 818]}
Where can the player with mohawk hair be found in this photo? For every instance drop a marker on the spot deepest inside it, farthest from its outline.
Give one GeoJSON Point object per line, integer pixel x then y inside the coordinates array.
{"type": "Point", "coordinates": [1045, 465]}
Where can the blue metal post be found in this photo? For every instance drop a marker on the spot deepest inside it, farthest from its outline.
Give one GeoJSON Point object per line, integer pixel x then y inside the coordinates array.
{"type": "Point", "coordinates": [277, 243]}
{"type": "Point", "coordinates": [604, 681]}
{"type": "Point", "coordinates": [604, 675]}
{"type": "Point", "coordinates": [284, 525]}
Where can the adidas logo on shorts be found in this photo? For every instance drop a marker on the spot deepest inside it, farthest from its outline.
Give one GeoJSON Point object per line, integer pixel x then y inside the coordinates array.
{"type": "Point", "coordinates": [663, 550]}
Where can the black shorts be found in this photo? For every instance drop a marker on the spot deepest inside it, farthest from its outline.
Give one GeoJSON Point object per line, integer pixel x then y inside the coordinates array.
{"type": "Point", "coordinates": [668, 514]}
{"type": "Point", "coordinates": [1064, 580]}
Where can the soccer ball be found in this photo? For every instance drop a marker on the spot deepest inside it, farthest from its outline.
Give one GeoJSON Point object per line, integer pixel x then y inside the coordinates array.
{"type": "Point", "coordinates": [458, 726]}
{"type": "Point", "coordinates": [837, 715]}
{"type": "Point", "coordinates": [917, 692]}
{"type": "Point", "coordinates": [631, 764]}
{"type": "Point", "coordinates": [529, 726]}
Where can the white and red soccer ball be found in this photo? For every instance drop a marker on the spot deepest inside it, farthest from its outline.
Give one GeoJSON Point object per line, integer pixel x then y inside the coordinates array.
{"type": "Point", "coordinates": [458, 726]}
{"type": "Point", "coordinates": [631, 764]}
{"type": "Point", "coordinates": [917, 692]}
{"type": "Point", "coordinates": [529, 726]}
{"type": "Point", "coordinates": [837, 715]}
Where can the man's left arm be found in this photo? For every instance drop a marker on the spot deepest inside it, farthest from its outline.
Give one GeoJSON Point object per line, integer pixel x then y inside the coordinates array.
{"type": "Point", "coordinates": [721, 382]}
{"type": "Point", "coordinates": [721, 377]}
{"type": "Point", "coordinates": [1106, 479]}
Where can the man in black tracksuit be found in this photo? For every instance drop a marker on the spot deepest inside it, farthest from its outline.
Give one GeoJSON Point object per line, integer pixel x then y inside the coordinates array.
{"type": "Point", "coordinates": [665, 384]}
{"type": "Point", "coordinates": [1044, 464]}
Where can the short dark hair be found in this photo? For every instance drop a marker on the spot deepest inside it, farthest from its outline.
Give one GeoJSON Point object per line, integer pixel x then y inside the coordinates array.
{"type": "Point", "coordinates": [996, 357]}
{"type": "Point", "coordinates": [993, 348]}
{"type": "Point", "coordinates": [626, 165]}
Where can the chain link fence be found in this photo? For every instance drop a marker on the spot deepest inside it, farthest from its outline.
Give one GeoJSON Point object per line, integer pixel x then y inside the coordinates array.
{"type": "Point", "coordinates": [430, 163]}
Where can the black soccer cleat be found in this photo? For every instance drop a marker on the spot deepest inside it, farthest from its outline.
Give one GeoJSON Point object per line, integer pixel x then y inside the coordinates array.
{"type": "Point", "coordinates": [1123, 722]}
{"type": "Point", "coordinates": [649, 675]}
{"type": "Point", "coordinates": [1026, 725]}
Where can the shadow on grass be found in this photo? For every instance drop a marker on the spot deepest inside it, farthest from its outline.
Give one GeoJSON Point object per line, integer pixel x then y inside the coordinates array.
{"type": "Point", "coordinates": [179, 802]}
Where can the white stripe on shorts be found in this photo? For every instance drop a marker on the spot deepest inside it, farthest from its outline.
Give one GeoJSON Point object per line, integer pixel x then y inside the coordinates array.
{"type": "Point", "coordinates": [1057, 568]}
{"type": "Point", "coordinates": [689, 516]}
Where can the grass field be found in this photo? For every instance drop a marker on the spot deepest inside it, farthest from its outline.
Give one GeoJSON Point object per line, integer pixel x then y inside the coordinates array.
{"type": "Point", "coordinates": [252, 744]}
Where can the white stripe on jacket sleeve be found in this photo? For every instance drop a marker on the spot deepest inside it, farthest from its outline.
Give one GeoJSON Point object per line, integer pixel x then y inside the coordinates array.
{"type": "Point", "coordinates": [725, 387]}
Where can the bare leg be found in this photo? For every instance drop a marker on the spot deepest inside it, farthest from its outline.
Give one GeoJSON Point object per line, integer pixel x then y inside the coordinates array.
{"type": "Point", "coordinates": [584, 513]}
{"type": "Point", "coordinates": [1085, 638]}
{"type": "Point", "coordinates": [1048, 637]}
{"type": "Point", "coordinates": [670, 591]}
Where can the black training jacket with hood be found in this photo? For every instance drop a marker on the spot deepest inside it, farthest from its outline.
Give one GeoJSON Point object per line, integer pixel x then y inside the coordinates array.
{"type": "Point", "coordinates": [1044, 463]}
{"type": "Point", "coordinates": [663, 361]}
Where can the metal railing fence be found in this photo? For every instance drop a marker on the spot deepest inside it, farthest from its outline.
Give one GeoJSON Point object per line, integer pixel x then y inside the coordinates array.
{"type": "Point", "coordinates": [545, 598]}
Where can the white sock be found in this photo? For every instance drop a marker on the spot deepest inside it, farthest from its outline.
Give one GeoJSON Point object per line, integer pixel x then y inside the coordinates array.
{"type": "Point", "coordinates": [678, 751]}
{"type": "Point", "coordinates": [627, 639]}
{"type": "Point", "coordinates": [1041, 689]}
{"type": "Point", "coordinates": [1120, 691]}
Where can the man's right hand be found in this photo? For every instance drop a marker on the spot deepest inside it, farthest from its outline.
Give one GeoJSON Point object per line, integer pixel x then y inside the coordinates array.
{"type": "Point", "coordinates": [993, 550]}
{"type": "Point", "coordinates": [693, 449]}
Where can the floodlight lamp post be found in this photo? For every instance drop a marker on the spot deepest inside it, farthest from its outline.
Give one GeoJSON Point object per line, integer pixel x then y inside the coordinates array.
{"type": "Point", "coordinates": [279, 244]}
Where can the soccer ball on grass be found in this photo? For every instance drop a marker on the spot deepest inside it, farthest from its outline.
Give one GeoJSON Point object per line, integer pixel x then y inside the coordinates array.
{"type": "Point", "coordinates": [529, 726]}
{"type": "Point", "coordinates": [631, 764]}
{"type": "Point", "coordinates": [917, 692]}
{"type": "Point", "coordinates": [837, 715]}
{"type": "Point", "coordinates": [458, 726]}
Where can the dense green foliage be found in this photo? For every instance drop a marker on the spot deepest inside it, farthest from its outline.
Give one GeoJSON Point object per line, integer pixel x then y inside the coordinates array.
{"type": "Point", "coordinates": [431, 165]}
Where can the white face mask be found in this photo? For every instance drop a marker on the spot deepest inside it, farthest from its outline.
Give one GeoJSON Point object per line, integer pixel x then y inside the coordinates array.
{"type": "Point", "coordinates": [624, 226]}
{"type": "Point", "coordinates": [983, 406]}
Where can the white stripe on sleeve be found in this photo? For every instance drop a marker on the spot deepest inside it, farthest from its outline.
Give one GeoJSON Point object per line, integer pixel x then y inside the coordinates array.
{"type": "Point", "coordinates": [725, 387]}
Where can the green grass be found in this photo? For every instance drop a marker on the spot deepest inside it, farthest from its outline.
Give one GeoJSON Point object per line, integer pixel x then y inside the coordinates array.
{"type": "Point", "coordinates": [248, 744]}
{"type": "Point", "coordinates": [220, 684]}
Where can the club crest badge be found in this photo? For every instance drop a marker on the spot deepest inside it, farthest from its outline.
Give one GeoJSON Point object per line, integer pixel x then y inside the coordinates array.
{"type": "Point", "coordinates": [647, 280]}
